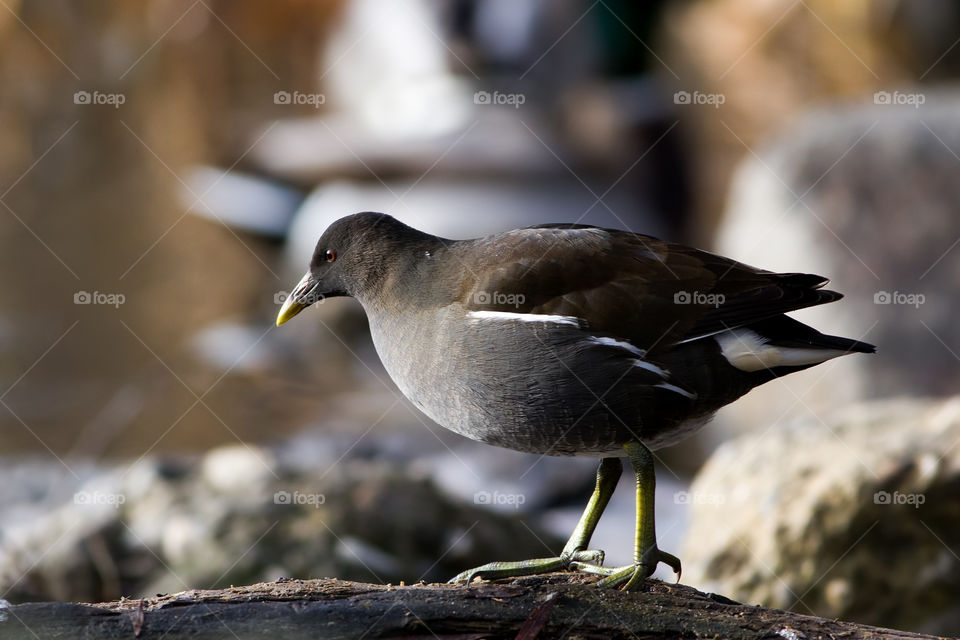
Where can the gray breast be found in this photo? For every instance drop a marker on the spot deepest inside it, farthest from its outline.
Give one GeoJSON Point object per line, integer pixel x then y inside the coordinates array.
{"type": "Point", "coordinates": [525, 382]}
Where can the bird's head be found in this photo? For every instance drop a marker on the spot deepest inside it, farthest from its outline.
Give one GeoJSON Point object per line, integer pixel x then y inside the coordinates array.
{"type": "Point", "coordinates": [350, 258]}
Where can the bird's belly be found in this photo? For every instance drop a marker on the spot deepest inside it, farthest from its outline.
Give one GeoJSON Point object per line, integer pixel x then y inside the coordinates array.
{"type": "Point", "coordinates": [511, 389]}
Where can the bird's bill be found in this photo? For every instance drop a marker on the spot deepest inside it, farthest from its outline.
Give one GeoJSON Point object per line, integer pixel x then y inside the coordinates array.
{"type": "Point", "coordinates": [298, 300]}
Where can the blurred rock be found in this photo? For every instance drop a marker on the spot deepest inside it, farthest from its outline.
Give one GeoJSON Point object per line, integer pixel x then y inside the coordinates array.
{"type": "Point", "coordinates": [238, 516]}
{"type": "Point", "coordinates": [865, 195]}
{"type": "Point", "coordinates": [238, 467]}
{"type": "Point", "coordinates": [853, 516]}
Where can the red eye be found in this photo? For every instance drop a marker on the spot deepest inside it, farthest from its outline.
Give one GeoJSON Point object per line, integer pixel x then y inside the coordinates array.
{"type": "Point", "coordinates": [330, 255]}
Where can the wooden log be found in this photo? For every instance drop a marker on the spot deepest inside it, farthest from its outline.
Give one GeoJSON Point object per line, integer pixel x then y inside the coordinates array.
{"type": "Point", "coordinates": [542, 607]}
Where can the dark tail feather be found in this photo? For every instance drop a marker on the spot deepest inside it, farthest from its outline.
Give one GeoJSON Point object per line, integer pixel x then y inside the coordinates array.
{"type": "Point", "coordinates": [784, 331]}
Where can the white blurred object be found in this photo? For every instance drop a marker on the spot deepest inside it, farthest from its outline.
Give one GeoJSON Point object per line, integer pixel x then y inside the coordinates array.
{"type": "Point", "coordinates": [232, 346]}
{"type": "Point", "coordinates": [387, 66]}
{"type": "Point", "coordinates": [339, 144]}
{"type": "Point", "coordinates": [239, 468]}
{"type": "Point", "coordinates": [243, 201]}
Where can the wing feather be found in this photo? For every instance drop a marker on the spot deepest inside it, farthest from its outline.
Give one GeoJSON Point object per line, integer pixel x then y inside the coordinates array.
{"type": "Point", "coordinates": [651, 293]}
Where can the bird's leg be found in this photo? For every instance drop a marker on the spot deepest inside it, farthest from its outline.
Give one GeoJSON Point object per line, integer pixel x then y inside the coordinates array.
{"type": "Point", "coordinates": [608, 474]}
{"type": "Point", "coordinates": [575, 554]}
{"type": "Point", "coordinates": [646, 555]}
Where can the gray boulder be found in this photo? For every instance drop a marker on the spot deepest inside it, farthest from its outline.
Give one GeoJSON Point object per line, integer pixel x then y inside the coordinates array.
{"type": "Point", "coordinates": [865, 194]}
{"type": "Point", "coordinates": [852, 516]}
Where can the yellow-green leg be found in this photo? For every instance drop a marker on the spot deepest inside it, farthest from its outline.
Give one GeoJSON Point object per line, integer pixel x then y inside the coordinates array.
{"type": "Point", "coordinates": [646, 555]}
{"type": "Point", "coordinates": [575, 554]}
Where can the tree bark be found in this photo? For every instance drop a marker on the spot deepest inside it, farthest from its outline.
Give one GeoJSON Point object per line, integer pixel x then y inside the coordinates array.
{"type": "Point", "coordinates": [542, 607]}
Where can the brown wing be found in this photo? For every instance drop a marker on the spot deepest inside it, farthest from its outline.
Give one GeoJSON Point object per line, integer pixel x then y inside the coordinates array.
{"type": "Point", "coordinates": [651, 293]}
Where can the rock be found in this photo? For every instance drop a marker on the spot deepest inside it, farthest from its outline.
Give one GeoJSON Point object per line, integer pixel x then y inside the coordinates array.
{"type": "Point", "coordinates": [866, 195]}
{"type": "Point", "coordinates": [239, 467]}
{"type": "Point", "coordinates": [239, 515]}
{"type": "Point", "coordinates": [851, 516]}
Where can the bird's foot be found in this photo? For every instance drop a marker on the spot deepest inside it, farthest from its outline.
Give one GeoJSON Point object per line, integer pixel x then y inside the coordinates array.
{"type": "Point", "coordinates": [587, 560]}
{"type": "Point", "coordinates": [632, 575]}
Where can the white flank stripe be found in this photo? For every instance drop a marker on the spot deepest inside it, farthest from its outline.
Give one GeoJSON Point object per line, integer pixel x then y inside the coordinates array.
{"type": "Point", "coordinates": [523, 317]}
{"type": "Point", "coordinates": [748, 351]}
{"type": "Point", "coordinates": [675, 389]}
{"type": "Point", "coordinates": [702, 336]}
{"type": "Point", "coordinates": [643, 364]}
{"type": "Point", "coordinates": [610, 342]}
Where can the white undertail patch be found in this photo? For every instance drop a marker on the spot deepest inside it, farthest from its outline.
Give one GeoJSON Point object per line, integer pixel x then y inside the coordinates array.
{"type": "Point", "coordinates": [747, 350]}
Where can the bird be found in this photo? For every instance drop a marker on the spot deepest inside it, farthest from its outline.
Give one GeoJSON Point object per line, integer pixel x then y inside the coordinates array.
{"type": "Point", "coordinates": [569, 340]}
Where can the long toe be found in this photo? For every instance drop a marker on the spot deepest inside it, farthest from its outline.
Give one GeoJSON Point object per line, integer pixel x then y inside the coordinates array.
{"type": "Point", "coordinates": [496, 570]}
{"type": "Point", "coordinates": [621, 575]}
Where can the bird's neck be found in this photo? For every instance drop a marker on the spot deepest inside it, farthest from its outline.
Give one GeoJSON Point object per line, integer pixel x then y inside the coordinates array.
{"type": "Point", "coordinates": [406, 277]}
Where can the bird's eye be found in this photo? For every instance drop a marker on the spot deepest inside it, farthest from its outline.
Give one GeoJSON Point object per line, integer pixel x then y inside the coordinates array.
{"type": "Point", "coordinates": [330, 255]}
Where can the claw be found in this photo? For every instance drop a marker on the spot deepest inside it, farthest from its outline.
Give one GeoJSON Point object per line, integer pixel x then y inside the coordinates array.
{"type": "Point", "coordinates": [632, 575]}
{"type": "Point", "coordinates": [673, 562]}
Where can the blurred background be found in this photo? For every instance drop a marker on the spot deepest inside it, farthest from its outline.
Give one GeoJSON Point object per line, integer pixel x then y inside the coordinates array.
{"type": "Point", "coordinates": [167, 166]}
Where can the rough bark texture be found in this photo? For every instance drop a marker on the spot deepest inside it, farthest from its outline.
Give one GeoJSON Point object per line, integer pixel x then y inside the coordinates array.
{"type": "Point", "coordinates": [552, 606]}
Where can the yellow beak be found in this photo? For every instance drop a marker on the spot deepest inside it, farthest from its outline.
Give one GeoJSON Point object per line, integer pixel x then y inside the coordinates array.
{"type": "Point", "coordinates": [293, 305]}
